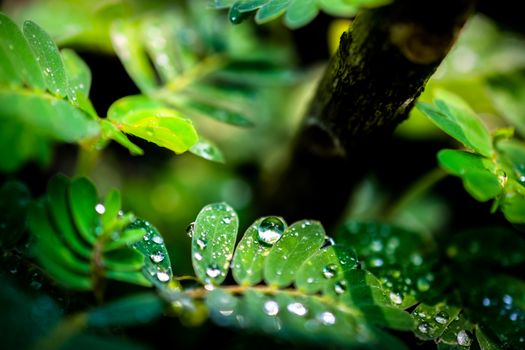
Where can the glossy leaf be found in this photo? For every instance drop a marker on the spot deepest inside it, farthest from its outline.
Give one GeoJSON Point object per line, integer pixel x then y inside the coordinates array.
{"type": "Point", "coordinates": [48, 58]}
{"type": "Point", "coordinates": [83, 200]}
{"type": "Point", "coordinates": [456, 118]}
{"type": "Point", "coordinates": [298, 243]}
{"type": "Point", "coordinates": [14, 202]}
{"type": "Point", "coordinates": [250, 255]}
{"type": "Point", "coordinates": [157, 264]}
{"type": "Point", "coordinates": [300, 12]}
{"type": "Point", "coordinates": [213, 242]}
{"type": "Point", "coordinates": [433, 320]}
{"type": "Point", "coordinates": [18, 55]}
{"type": "Point", "coordinates": [485, 343]}
{"type": "Point", "coordinates": [78, 74]}
{"type": "Point", "coordinates": [326, 265]}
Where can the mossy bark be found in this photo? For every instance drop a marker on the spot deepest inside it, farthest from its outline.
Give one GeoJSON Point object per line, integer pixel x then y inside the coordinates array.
{"type": "Point", "coordinates": [369, 86]}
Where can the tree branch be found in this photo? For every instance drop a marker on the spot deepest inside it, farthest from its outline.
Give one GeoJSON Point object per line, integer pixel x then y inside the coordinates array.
{"type": "Point", "coordinates": [368, 88]}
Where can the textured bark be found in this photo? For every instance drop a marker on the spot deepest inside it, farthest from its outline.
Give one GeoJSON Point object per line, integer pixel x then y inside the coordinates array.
{"type": "Point", "coordinates": [368, 88]}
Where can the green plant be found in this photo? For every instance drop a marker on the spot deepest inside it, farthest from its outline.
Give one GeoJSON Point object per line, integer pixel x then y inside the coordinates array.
{"type": "Point", "coordinates": [396, 271]}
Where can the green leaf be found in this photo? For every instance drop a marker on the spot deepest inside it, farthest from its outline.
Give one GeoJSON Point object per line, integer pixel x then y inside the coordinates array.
{"type": "Point", "coordinates": [129, 311]}
{"type": "Point", "coordinates": [125, 259]}
{"type": "Point", "coordinates": [126, 39]}
{"type": "Point", "coordinates": [458, 332]}
{"type": "Point", "coordinates": [132, 277]}
{"type": "Point", "coordinates": [485, 343]}
{"type": "Point", "coordinates": [162, 126]}
{"type": "Point", "coordinates": [482, 185]}
{"type": "Point", "coordinates": [48, 58]}
{"type": "Point", "coordinates": [213, 242]}
{"type": "Point", "coordinates": [326, 265]}
{"type": "Point", "coordinates": [456, 118]}
{"type": "Point", "coordinates": [14, 203]}
{"type": "Point", "coordinates": [82, 200]}
{"type": "Point", "coordinates": [57, 196]}
{"type": "Point", "coordinates": [251, 252]}
{"type": "Point", "coordinates": [78, 74]}
{"type": "Point", "coordinates": [300, 12]}
{"type": "Point", "coordinates": [338, 7]}
{"type": "Point", "coordinates": [127, 237]}
{"type": "Point", "coordinates": [18, 55]}
{"type": "Point", "coordinates": [460, 162]}
{"type": "Point", "coordinates": [110, 131]}
{"type": "Point", "coordinates": [514, 153]}
{"type": "Point", "coordinates": [207, 150]}
{"type": "Point", "coordinates": [271, 10]}
{"type": "Point", "coordinates": [298, 243]}
{"type": "Point", "coordinates": [157, 265]}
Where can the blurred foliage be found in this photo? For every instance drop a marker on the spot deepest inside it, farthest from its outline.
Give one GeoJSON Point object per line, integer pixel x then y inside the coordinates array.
{"type": "Point", "coordinates": [400, 270]}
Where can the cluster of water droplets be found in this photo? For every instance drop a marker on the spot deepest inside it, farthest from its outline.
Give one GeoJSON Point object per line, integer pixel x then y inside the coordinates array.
{"type": "Point", "coordinates": [155, 244]}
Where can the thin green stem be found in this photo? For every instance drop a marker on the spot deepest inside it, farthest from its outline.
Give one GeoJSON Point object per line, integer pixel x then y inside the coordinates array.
{"type": "Point", "coordinates": [419, 188]}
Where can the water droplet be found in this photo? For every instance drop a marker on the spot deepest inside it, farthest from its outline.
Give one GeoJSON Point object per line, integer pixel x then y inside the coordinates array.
{"type": "Point", "coordinates": [507, 299]}
{"type": "Point", "coordinates": [270, 230]}
{"type": "Point", "coordinates": [310, 280]}
{"type": "Point", "coordinates": [99, 208]}
{"type": "Point", "coordinates": [226, 220]}
{"type": "Point", "coordinates": [297, 309]}
{"type": "Point", "coordinates": [163, 276]}
{"type": "Point", "coordinates": [271, 308]}
{"type": "Point", "coordinates": [197, 256]}
{"type": "Point", "coordinates": [422, 284]}
{"type": "Point", "coordinates": [340, 287]}
{"type": "Point", "coordinates": [157, 239]}
{"type": "Point", "coordinates": [329, 271]}
{"type": "Point", "coordinates": [513, 316]}
{"type": "Point", "coordinates": [213, 271]}
{"type": "Point", "coordinates": [441, 317]}
{"type": "Point", "coordinates": [328, 241]}
{"type": "Point", "coordinates": [202, 243]}
{"type": "Point", "coordinates": [396, 298]}
{"type": "Point", "coordinates": [190, 229]}
{"type": "Point", "coordinates": [464, 338]}
{"type": "Point", "coordinates": [486, 301]}
{"type": "Point", "coordinates": [157, 257]}
{"type": "Point", "coordinates": [416, 259]}
{"type": "Point", "coordinates": [327, 318]}
{"type": "Point", "coordinates": [423, 327]}
{"type": "Point", "coordinates": [376, 246]}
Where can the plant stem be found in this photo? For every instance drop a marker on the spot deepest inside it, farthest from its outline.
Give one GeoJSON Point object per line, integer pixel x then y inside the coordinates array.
{"type": "Point", "coordinates": [418, 189]}
{"type": "Point", "coordinates": [86, 161]}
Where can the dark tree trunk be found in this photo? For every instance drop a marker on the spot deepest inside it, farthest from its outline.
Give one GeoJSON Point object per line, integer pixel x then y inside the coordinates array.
{"type": "Point", "coordinates": [368, 88]}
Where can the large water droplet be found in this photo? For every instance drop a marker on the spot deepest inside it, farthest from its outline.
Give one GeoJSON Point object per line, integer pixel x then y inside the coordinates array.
{"type": "Point", "coordinates": [340, 287]}
{"type": "Point", "coordinates": [157, 257]}
{"type": "Point", "coordinates": [297, 309]}
{"type": "Point", "coordinates": [507, 299]}
{"type": "Point", "coordinates": [99, 208]}
{"type": "Point", "coordinates": [329, 271]}
{"type": "Point", "coordinates": [423, 327]}
{"type": "Point", "coordinates": [157, 239]}
{"type": "Point", "coordinates": [326, 318]}
{"type": "Point", "coordinates": [464, 338]}
{"type": "Point", "coordinates": [271, 308]}
{"type": "Point", "coordinates": [270, 230]}
{"type": "Point", "coordinates": [213, 271]}
{"type": "Point", "coordinates": [441, 317]}
{"type": "Point", "coordinates": [163, 276]}
{"type": "Point", "coordinates": [190, 229]}
{"type": "Point", "coordinates": [396, 298]}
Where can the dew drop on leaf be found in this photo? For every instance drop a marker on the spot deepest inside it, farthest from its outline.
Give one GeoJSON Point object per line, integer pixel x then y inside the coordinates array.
{"type": "Point", "coordinates": [340, 287]}
{"type": "Point", "coordinates": [157, 257]}
{"type": "Point", "coordinates": [197, 256]}
{"type": "Point", "coordinates": [423, 327]}
{"type": "Point", "coordinates": [297, 309]}
{"type": "Point", "coordinates": [99, 208]}
{"type": "Point", "coordinates": [396, 298]}
{"type": "Point", "coordinates": [202, 243]}
{"type": "Point", "coordinates": [157, 239]}
{"type": "Point", "coordinates": [270, 230]}
{"type": "Point", "coordinates": [163, 276]}
{"type": "Point", "coordinates": [329, 271]}
{"type": "Point", "coordinates": [327, 318]}
{"type": "Point", "coordinates": [271, 308]}
{"type": "Point", "coordinates": [441, 317]}
{"type": "Point", "coordinates": [213, 271]}
{"type": "Point", "coordinates": [464, 338]}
